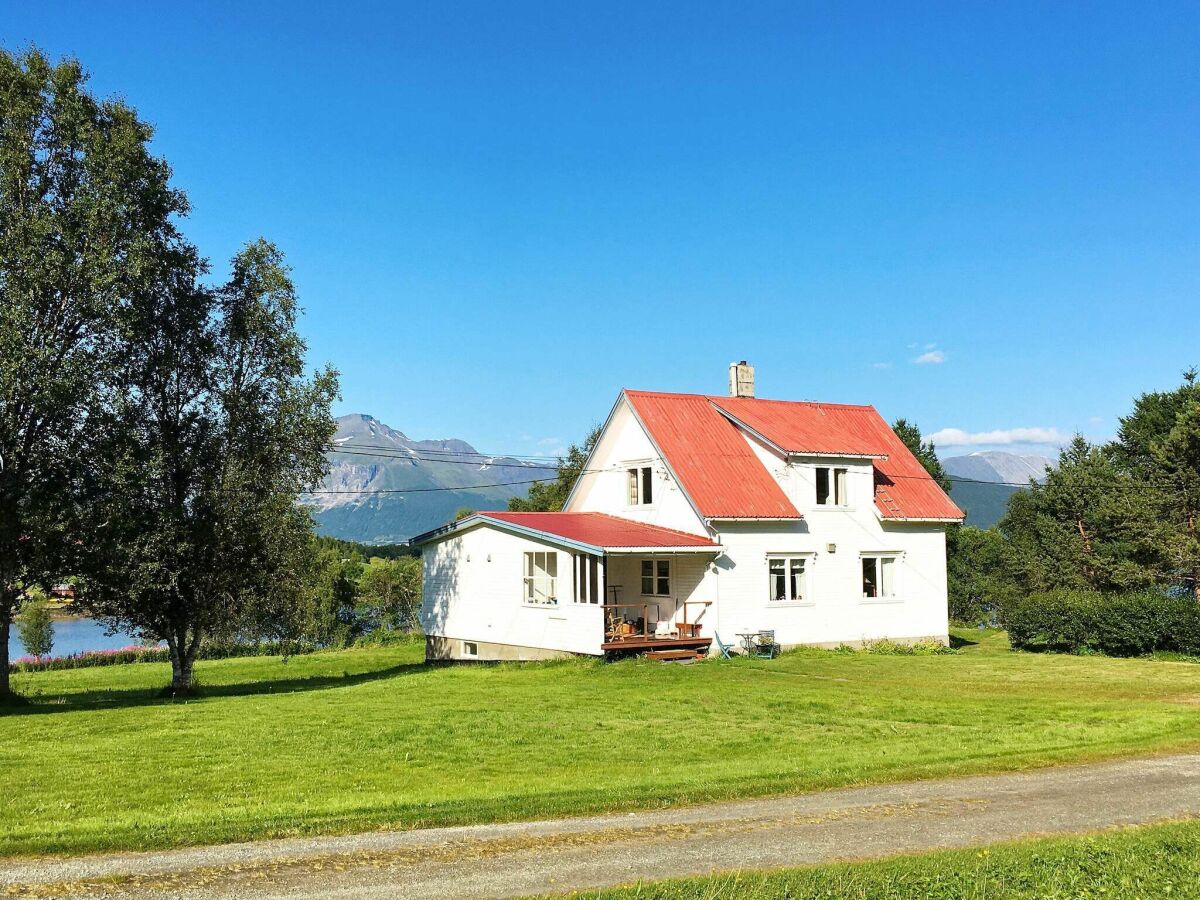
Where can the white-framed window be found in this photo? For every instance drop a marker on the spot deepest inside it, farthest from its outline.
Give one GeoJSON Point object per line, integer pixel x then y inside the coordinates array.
{"type": "Point", "coordinates": [641, 485]}
{"type": "Point", "coordinates": [541, 578]}
{"type": "Point", "coordinates": [470, 648]}
{"type": "Point", "coordinates": [656, 578]}
{"type": "Point", "coordinates": [788, 579]}
{"type": "Point", "coordinates": [832, 486]}
{"type": "Point", "coordinates": [879, 576]}
{"type": "Point", "coordinates": [587, 578]}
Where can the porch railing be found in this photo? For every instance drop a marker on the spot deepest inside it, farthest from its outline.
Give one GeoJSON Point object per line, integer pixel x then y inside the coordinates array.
{"type": "Point", "coordinates": [617, 628]}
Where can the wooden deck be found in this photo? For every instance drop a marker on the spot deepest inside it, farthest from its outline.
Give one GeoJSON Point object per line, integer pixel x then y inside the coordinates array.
{"type": "Point", "coordinates": [639, 643]}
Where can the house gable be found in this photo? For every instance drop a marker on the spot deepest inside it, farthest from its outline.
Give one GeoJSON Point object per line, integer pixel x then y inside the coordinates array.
{"type": "Point", "coordinates": [625, 443]}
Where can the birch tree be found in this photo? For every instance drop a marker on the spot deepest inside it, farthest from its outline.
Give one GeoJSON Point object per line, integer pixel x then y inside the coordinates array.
{"type": "Point", "coordinates": [215, 432]}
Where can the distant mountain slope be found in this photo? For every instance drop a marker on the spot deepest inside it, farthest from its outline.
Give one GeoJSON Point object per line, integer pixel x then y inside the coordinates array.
{"type": "Point", "coordinates": [984, 481]}
{"type": "Point", "coordinates": [437, 479]}
{"type": "Point", "coordinates": [984, 504]}
{"type": "Point", "coordinates": [998, 466]}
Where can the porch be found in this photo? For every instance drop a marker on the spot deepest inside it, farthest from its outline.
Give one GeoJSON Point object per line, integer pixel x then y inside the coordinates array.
{"type": "Point", "coordinates": [652, 603]}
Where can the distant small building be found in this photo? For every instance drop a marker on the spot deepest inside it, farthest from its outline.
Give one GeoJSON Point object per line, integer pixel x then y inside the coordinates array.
{"type": "Point", "coordinates": [700, 515]}
{"type": "Point", "coordinates": [63, 592]}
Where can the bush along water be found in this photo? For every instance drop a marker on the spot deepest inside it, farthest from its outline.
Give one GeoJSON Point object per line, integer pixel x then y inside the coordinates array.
{"type": "Point", "coordinates": [157, 653]}
{"type": "Point", "coordinates": [1127, 624]}
{"type": "Point", "coordinates": [153, 653]}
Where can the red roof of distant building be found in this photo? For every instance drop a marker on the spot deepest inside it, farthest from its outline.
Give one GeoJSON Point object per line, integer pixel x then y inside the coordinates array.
{"type": "Point", "coordinates": [717, 468]}
{"type": "Point", "coordinates": [600, 529]}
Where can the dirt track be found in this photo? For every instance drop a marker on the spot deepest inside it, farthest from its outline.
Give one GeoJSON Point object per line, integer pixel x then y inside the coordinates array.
{"type": "Point", "coordinates": [566, 854]}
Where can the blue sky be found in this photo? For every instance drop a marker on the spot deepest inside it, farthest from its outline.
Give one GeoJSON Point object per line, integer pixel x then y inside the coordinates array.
{"type": "Point", "coordinates": [499, 214]}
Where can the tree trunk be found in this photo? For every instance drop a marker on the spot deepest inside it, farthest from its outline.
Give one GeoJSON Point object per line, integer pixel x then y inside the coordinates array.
{"type": "Point", "coordinates": [5, 627]}
{"type": "Point", "coordinates": [182, 649]}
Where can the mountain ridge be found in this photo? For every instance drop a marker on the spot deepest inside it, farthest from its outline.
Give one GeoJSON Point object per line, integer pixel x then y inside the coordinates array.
{"type": "Point", "coordinates": [385, 487]}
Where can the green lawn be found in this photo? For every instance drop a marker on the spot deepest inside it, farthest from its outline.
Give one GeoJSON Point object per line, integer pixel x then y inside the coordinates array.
{"type": "Point", "coordinates": [337, 742]}
{"type": "Point", "coordinates": [1131, 864]}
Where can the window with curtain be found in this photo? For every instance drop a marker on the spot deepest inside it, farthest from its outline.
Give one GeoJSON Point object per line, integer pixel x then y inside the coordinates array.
{"type": "Point", "coordinates": [641, 485]}
{"type": "Point", "coordinates": [832, 488]}
{"type": "Point", "coordinates": [879, 577]}
{"type": "Point", "coordinates": [788, 576]}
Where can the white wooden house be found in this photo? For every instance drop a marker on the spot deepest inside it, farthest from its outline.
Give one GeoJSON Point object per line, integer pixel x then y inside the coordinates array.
{"type": "Point", "coordinates": [699, 516]}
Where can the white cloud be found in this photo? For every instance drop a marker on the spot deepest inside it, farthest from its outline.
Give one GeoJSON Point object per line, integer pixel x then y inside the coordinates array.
{"type": "Point", "coordinates": [930, 358]}
{"type": "Point", "coordinates": [1096, 420]}
{"type": "Point", "coordinates": [956, 437]}
{"type": "Point", "coordinates": [881, 365]}
{"type": "Point", "coordinates": [550, 442]}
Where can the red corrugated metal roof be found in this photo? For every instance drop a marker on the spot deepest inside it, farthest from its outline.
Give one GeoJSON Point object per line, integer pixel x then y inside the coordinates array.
{"type": "Point", "coordinates": [726, 480]}
{"type": "Point", "coordinates": [712, 460]}
{"type": "Point", "coordinates": [800, 427]}
{"type": "Point", "coordinates": [601, 529]}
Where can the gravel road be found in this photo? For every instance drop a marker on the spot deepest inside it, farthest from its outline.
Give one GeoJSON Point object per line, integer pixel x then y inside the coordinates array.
{"type": "Point", "coordinates": [571, 854]}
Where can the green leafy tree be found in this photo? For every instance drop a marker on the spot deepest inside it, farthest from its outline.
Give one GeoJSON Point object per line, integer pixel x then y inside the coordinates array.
{"type": "Point", "coordinates": [923, 450]}
{"type": "Point", "coordinates": [86, 225]}
{"type": "Point", "coordinates": [327, 614]}
{"type": "Point", "coordinates": [978, 572]}
{"type": "Point", "coordinates": [1177, 483]}
{"type": "Point", "coordinates": [214, 433]}
{"type": "Point", "coordinates": [1090, 525]}
{"type": "Point", "coordinates": [389, 594]}
{"type": "Point", "coordinates": [35, 626]}
{"type": "Point", "coordinates": [549, 496]}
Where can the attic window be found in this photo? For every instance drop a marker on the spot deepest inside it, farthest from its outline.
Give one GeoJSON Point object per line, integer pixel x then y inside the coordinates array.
{"type": "Point", "coordinates": [641, 486]}
{"type": "Point", "coordinates": [831, 486]}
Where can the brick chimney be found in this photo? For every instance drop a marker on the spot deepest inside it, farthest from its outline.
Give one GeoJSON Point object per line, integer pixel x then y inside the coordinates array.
{"type": "Point", "coordinates": [741, 379]}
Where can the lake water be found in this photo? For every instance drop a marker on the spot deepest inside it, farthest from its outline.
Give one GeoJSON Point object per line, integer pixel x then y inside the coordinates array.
{"type": "Point", "coordinates": [76, 636]}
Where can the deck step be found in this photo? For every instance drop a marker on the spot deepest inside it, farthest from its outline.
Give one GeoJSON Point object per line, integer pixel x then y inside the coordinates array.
{"type": "Point", "coordinates": [672, 655]}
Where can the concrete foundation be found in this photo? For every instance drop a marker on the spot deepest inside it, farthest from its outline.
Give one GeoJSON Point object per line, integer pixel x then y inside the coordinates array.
{"type": "Point", "coordinates": [446, 649]}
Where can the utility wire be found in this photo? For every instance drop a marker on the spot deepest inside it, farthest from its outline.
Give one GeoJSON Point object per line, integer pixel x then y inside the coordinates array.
{"type": "Point", "coordinates": [404, 455]}
{"type": "Point", "coordinates": [435, 451]}
{"type": "Point", "coordinates": [465, 487]}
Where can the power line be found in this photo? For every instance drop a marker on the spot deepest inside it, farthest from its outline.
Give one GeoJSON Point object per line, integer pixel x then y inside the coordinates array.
{"type": "Point", "coordinates": [410, 455]}
{"type": "Point", "coordinates": [465, 487]}
{"type": "Point", "coordinates": [430, 450]}
{"type": "Point", "coordinates": [402, 455]}
{"type": "Point", "coordinates": [481, 463]}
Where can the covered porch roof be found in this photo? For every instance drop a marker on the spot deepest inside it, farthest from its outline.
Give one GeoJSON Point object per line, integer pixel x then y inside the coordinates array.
{"type": "Point", "coordinates": [591, 532]}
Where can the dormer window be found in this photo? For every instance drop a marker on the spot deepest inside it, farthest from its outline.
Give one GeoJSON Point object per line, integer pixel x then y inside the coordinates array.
{"type": "Point", "coordinates": [831, 486]}
{"type": "Point", "coordinates": [641, 486]}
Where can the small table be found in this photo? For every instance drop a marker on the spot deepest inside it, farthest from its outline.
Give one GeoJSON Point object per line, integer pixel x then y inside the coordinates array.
{"type": "Point", "coordinates": [748, 639]}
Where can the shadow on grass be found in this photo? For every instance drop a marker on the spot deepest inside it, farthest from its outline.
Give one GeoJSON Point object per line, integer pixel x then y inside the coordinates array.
{"type": "Point", "coordinates": [40, 704]}
{"type": "Point", "coordinates": [957, 642]}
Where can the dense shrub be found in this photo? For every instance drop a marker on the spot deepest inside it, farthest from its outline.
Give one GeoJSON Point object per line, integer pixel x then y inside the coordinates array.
{"type": "Point", "coordinates": [1130, 624]}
